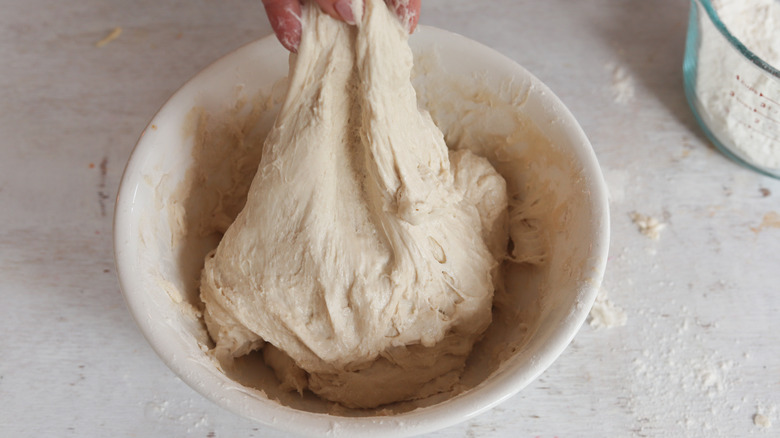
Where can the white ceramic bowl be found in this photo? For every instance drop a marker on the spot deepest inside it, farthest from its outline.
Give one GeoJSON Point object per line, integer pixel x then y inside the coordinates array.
{"type": "Point", "coordinates": [158, 275]}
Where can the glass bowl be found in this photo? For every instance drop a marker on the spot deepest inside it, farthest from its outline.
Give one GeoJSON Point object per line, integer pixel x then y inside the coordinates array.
{"type": "Point", "coordinates": [734, 94]}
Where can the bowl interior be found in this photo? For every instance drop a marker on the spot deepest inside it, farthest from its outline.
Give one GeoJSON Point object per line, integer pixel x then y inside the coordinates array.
{"type": "Point", "coordinates": [206, 139]}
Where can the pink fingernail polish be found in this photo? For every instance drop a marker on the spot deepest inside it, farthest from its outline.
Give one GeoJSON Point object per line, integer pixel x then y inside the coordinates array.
{"type": "Point", "coordinates": [344, 8]}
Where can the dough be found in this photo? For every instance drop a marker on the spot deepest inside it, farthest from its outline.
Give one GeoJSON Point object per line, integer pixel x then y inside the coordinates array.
{"type": "Point", "coordinates": [367, 253]}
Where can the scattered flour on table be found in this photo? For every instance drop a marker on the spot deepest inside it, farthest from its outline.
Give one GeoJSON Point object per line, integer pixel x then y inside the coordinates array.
{"type": "Point", "coordinates": [605, 314]}
{"type": "Point", "coordinates": [737, 99]}
{"type": "Point", "coordinates": [648, 225]}
{"type": "Point", "coordinates": [763, 416]}
{"type": "Point", "coordinates": [623, 88]}
{"type": "Point", "coordinates": [762, 420]}
{"type": "Point", "coordinates": [184, 414]}
{"type": "Point", "coordinates": [671, 370]}
{"type": "Point", "coordinates": [673, 366]}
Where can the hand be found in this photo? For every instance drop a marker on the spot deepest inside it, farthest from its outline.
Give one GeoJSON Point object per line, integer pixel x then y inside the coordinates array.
{"type": "Point", "coordinates": [285, 16]}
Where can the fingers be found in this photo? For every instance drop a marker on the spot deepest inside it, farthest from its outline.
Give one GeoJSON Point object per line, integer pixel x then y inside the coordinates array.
{"type": "Point", "coordinates": [408, 11]}
{"type": "Point", "coordinates": [285, 18]}
{"type": "Point", "coordinates": [338, 9]}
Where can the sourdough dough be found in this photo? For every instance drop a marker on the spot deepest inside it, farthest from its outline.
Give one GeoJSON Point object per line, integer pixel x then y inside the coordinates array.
{"type": "Point", "coordinates": [366, 257]}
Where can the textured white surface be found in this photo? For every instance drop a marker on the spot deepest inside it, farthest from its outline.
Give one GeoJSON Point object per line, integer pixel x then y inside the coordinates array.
{"type": "Point", "coordinates": [699, 354]}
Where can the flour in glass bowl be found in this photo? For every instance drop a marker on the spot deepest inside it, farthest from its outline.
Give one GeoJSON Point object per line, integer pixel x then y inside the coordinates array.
{"type": "Point", "coordinates": [741, 103]}
{"type": "Point", "coordinates": [756, 23]}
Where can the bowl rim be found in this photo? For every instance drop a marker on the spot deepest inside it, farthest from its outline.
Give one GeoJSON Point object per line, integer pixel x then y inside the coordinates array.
{"type": "Point", "coordinates": [501, 386]}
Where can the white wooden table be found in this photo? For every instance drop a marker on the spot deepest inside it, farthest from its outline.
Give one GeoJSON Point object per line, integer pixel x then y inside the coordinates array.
{"type": "Point", "coordinates": [698, 356]}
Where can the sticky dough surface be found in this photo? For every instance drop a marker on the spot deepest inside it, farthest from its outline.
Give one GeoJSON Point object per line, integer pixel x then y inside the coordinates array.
{"type": "Point", "coordinates": [365, 260]}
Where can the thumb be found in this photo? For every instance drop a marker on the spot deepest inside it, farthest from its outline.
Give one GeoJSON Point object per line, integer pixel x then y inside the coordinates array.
{"type": "Point", "coordinates": [338, 9]}
{"type": "Point", "coordinates": [285, 18]}
{"type": "Point", "coordinates": [408, 11]}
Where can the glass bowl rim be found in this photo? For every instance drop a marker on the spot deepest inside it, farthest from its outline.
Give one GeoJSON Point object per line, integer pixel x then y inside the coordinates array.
{"type": "Point", "coordinates": [747, 53]}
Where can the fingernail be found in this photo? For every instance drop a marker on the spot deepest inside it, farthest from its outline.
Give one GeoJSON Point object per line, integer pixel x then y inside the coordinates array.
{"type": "Point", "coordinates": [344, 8]}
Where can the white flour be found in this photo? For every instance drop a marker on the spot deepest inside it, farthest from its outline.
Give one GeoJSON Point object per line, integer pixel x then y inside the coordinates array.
{"type": "Point", "coordinates": [605, 314]}
{"type": "Point", "coordinates": [764, 414]}
{"type": "Point", "coordinates": [762, 420]}
{"type": "Point", "coordinates": [739, 102]}
{"type": "Point", "coordinates": [756, 23]}
{"type": "Point", "coordinates": [623, 89]}
{"type": "Point", "coordinates": [648, 225]}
